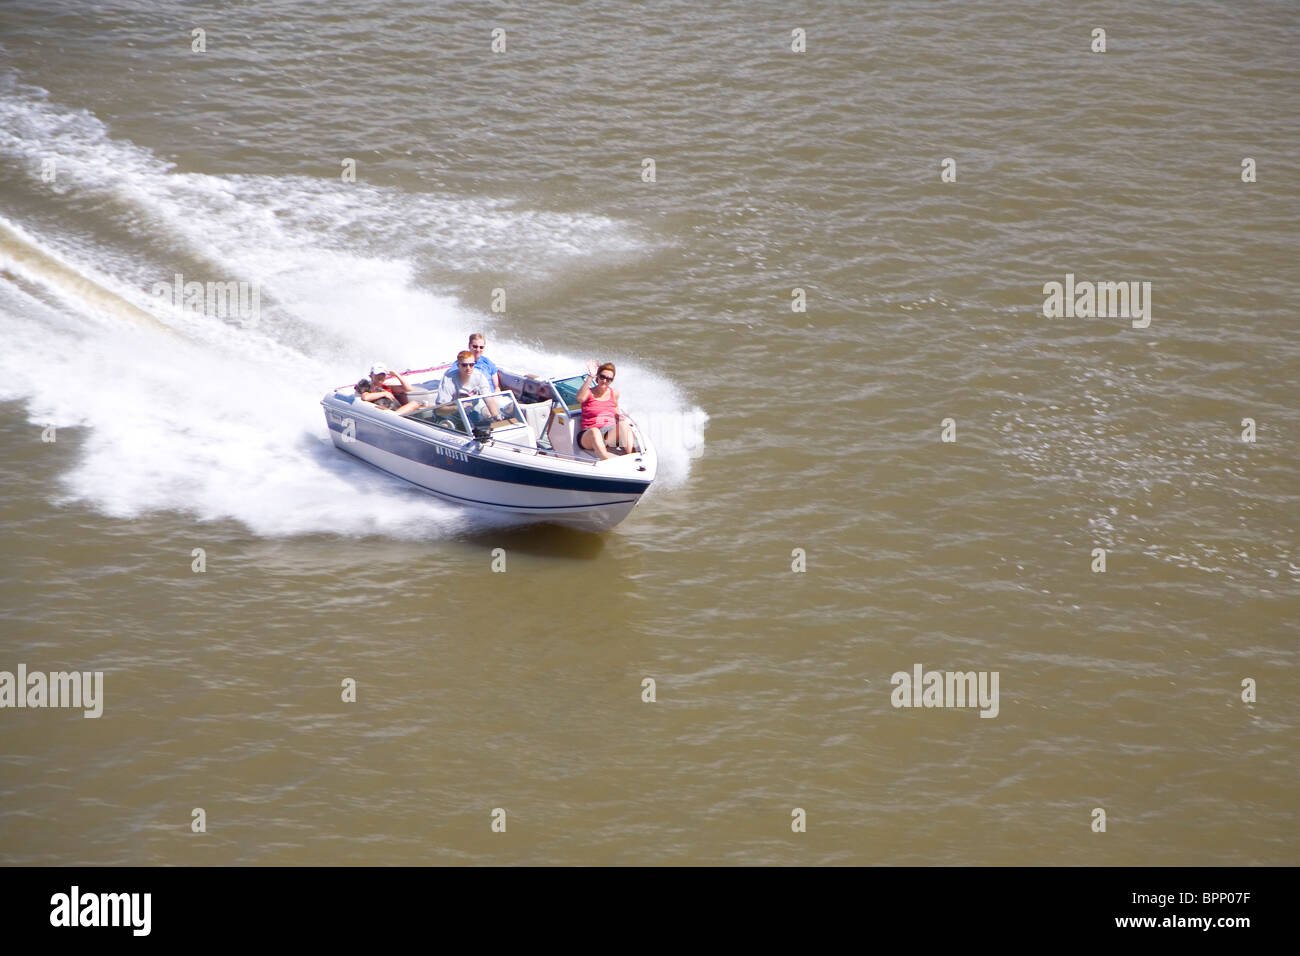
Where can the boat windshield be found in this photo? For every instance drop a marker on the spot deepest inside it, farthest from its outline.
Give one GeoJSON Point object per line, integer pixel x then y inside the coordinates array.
{"type": "Point", "coordinates": [497, 410]}
{"type": "Point", "coordinates": [569, 388]}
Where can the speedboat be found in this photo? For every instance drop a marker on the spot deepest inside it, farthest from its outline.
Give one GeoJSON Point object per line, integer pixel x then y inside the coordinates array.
{"type": "Point", "coordinates": [514, 451]}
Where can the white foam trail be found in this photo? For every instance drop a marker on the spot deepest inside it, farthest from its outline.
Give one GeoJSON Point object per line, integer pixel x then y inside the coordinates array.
{"type": "Point", "coordinates": [26, 258]}
{"type": "Point", "coordinates": [223, 422]}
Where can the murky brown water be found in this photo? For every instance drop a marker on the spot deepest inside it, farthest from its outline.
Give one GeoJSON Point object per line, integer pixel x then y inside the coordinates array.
{"type": "Point", "coordinates": [774, 171]}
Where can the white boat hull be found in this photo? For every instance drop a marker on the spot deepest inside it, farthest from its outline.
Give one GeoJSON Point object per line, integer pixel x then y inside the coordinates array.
{"type": "Point", "coordinates": [572, 490]}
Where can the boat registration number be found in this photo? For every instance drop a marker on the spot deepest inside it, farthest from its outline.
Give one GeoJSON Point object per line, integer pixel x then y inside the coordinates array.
{"type": "Point", "coordinates": [454, 455]}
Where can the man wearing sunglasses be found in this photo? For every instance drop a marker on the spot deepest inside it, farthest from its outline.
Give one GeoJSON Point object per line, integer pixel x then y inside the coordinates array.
{"type": "Point", "coordinates": [477, 343]}
{"type": "Point", "coordinates": [463, 380]}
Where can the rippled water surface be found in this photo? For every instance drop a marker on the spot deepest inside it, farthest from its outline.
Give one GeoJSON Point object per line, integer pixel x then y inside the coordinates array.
{"type": "Point", "coordinates": [789, 435]}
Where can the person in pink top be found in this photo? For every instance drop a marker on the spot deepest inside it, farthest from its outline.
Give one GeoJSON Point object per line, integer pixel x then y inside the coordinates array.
{"type": "Point", "coordinates": [600, 412]}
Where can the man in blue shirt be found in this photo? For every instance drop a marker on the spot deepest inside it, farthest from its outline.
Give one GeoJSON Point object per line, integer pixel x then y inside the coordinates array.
{"type": "Point", "coordinates": [477, 343]}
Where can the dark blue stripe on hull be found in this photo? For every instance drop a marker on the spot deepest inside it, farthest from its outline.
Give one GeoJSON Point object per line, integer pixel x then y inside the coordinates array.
{"type": "Point", "coordinates": [496, 505]}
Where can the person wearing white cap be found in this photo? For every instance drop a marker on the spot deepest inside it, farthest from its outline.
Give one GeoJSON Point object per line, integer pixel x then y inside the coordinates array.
{"type": "Point", "coordinates": [384, 395]}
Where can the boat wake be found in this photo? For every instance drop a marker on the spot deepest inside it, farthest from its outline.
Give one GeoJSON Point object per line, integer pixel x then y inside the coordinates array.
{"type": "Point", "coordinates": [214, 415]}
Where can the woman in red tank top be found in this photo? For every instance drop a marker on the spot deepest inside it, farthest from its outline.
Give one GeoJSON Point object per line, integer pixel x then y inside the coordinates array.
{"type": "Point", "coordinates": [600, 412]}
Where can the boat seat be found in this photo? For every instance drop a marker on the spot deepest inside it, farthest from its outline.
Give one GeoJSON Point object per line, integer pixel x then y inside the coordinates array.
{"type": "Point", "coordinates": [561, 432]}
{"type": "Point", "coordinates": [536, 416]}
{"type": "Point", "coordinates": [564, 435]}
{"type": "Point", "coordinates": [533, 390]}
